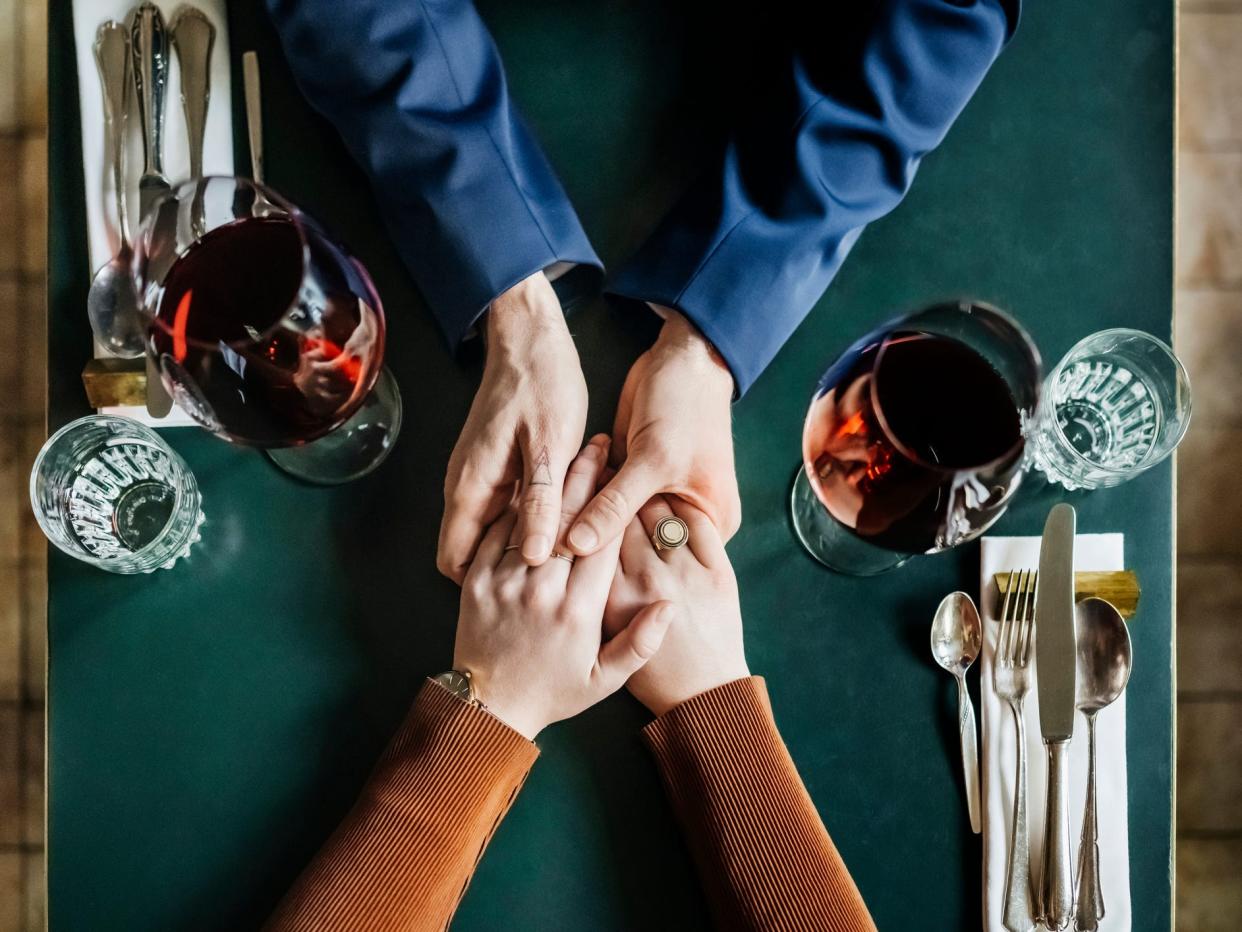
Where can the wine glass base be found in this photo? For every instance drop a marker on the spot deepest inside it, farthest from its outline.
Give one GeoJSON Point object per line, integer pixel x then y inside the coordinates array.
{"type": "Point", "coordinates": [831, 543]}
{"type": "Point", "coordinates": [354, 449]}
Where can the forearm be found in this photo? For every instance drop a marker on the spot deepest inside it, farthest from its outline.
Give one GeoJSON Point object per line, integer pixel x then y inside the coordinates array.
{"type": "Point", "coordinates": [418, 94]}
{"type": "Point", "coordinates": [850, 105]}
{"type": "Point", "coordinates": [764, 857]}
{"type": "Point", "coordinates": [405, 853]}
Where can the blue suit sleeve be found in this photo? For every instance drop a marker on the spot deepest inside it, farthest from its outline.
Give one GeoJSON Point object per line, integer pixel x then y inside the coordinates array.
{"type": "Point", "coordinates": [417, 91]}
{"type": "Point", "coordinates": [831, 143]}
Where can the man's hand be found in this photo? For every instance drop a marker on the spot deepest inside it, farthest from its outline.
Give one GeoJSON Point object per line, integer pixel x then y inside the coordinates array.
{"type": "Point", "coordinates": [523, 430]}
{"type": "Point", "coordinates": [672, 434]}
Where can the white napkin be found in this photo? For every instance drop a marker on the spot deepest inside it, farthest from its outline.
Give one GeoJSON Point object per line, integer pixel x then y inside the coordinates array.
{"type": "Point", "coordinates": [217, 146]}
{"type": "Point", "coordinates": [1091, 552]}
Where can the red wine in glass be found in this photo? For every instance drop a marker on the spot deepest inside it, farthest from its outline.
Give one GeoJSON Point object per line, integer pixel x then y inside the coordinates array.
{"type": "Point", "coordinates": [913, 442]}
{"type": "Point", "coordinates": [264, 330]}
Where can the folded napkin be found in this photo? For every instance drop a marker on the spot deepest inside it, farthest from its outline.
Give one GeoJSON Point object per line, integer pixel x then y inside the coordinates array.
{"type": "Point", "coordinates": [1091, 552]}
{"type": "Point", "coordinates": [101, 229]}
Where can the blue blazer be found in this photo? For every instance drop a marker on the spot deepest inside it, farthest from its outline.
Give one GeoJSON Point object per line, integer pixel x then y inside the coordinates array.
{"type": "Point", "coordinates": [830, 141]}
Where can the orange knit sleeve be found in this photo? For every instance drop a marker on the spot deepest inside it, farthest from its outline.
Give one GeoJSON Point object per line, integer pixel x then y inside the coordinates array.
{"type": "Point", "coordinates": [763, 854]}
{"type": "Point", "coordinates": [404, 855]}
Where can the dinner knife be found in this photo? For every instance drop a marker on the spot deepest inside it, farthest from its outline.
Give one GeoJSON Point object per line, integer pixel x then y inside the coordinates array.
{"type": "Point", "coordinates": [1055, 665]}
{"type": "Point", "coordinates": [149, 44]}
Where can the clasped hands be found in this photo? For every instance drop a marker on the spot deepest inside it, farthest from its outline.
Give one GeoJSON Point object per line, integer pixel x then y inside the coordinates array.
{"type": "Point", "coordinates": [530, 626]}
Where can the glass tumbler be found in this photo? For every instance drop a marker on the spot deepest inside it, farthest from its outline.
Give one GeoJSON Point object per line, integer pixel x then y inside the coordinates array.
{"type": "Point", "coordinates": [1116, 405]}
{"type": "Point", "coordinates": [110, 492]}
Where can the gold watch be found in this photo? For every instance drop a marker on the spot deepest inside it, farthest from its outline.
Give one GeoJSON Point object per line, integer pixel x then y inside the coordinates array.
{"type": "Point", "coordinates": [459, 683]}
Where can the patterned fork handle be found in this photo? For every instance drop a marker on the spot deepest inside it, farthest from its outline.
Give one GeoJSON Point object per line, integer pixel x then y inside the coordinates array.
{"type": "Point", "coordinates": [1017, 915]}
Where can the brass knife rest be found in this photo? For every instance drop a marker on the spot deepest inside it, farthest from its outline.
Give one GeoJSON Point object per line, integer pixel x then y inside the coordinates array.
{"type": "Point", "coordinates": [111, 382]}
{"type": "Point", "coordinates": [1121, 587]}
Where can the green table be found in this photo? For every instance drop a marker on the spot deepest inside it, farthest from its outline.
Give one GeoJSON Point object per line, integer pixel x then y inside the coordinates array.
{"type": "Point", "coordinates": [210, 725]}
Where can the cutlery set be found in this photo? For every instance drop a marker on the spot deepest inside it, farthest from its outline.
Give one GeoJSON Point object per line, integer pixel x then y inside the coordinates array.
{"type": "Point", "coordinates": [1082, 657]}
{"type": "Point", "coordinates": [138, 55]}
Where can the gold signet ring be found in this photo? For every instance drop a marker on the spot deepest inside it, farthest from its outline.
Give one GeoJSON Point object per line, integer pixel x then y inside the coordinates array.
{"type": "Point", "coordinates": [670, 533]}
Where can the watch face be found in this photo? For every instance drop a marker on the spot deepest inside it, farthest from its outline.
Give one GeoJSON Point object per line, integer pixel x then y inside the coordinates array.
{"type": "Point", "coordinates": [456, 683]}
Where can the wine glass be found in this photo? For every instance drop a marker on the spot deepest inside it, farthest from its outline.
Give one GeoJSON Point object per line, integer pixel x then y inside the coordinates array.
{"type": "Point", "coordinates": [914, 439]}
{"type": "Point", "coordinates": [263, 329]}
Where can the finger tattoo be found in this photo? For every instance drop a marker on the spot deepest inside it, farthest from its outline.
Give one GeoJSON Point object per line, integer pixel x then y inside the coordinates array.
{"type": "Point", "coordinates": [542, 473]}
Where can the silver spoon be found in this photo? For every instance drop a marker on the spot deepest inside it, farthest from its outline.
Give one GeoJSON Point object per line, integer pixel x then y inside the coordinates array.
{"type": "Point", "coordinates": [956, 636]}
{"type": "Point", "coordinates": [112, 303]}
{"type": "Point", "coordinates": [1104, 660]}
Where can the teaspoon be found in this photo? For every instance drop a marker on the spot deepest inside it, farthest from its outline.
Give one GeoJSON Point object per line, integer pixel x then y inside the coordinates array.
{"type": "Point", "coordinates": [956, 637]}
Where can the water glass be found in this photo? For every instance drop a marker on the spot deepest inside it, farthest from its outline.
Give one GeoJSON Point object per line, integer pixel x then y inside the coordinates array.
{"type": "Point", "coordinates": [1116, 405]}
{"type": "Point", "coordinates": [110, 492]}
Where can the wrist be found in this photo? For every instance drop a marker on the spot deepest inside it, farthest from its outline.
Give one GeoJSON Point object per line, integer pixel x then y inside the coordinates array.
{"type": "Point", "coordinates": [683, 341]}
{"type": "Point", "coordinates": [517, 716]}
{"type": "Point", "coordinates": [666, 701]}
{"type": "Point", "coordinates": [526, 307]}
{"type": "Point", "coordinates": [509, 706]}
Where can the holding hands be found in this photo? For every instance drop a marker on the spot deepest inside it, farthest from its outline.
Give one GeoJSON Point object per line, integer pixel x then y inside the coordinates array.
{"type": "Point", "coordinates": [671, 435]}
{"type": "Point", "coordinates": [530, 635]}
{"type": "Point", "coordinates": [532, 639]}
{"type": "Point", "coordinates": [517, 511]}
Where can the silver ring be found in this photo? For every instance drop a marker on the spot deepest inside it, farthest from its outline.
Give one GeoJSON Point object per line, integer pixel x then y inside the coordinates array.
{"type": "Point", "coordinates": [670, 533]}
{"type": "Point", "coordinates": [568, 558]}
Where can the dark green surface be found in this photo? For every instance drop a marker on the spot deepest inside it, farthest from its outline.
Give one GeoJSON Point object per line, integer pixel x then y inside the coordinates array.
{"type": "Point", "coordinates": [210, 725]}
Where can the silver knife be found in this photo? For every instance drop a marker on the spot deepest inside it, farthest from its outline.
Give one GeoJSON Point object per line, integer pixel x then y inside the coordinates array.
{"type": "Point", "coordinates": [149, 45]}
{"type": "Point", "coordinates": [1055, 660]}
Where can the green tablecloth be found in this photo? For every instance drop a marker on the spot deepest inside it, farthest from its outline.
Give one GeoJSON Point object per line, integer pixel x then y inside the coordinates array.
{"type": "Point", "coordinates": [210, 725]}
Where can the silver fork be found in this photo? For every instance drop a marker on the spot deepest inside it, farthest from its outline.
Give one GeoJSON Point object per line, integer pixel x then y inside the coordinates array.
{"type": "Point", "coordinates": [1011, 679]}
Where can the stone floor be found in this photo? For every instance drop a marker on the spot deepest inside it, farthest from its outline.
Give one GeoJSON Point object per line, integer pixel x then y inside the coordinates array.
{"type": "Point", "coordinates": [23, 157]}
{"type": "Point", "coordinates": [1209, 338]}
{"type": "Point", "coordinates": [1209, 565]}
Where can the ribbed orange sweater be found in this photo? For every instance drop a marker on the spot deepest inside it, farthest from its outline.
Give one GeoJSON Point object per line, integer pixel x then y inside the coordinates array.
{"type": "Point", "coordinates": [404, 855]}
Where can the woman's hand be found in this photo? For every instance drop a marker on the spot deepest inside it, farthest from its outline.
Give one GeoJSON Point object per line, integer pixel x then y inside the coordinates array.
{"type": "Point", "coordinates": [703, 648]}
{"type": "Point", "coordinates": [530, 636]}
